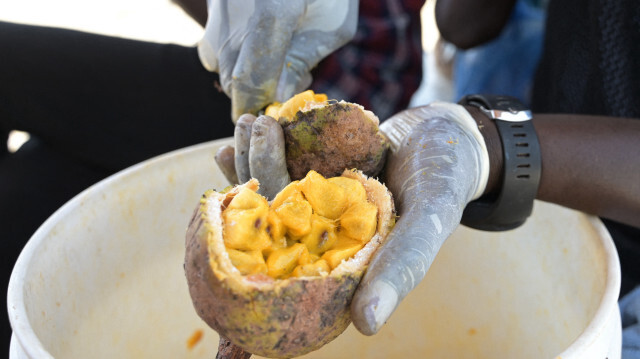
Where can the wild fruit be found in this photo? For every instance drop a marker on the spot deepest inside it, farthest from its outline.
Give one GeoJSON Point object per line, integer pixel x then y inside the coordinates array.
{"type": "Point", "coordinates": [329, 136]}
{"type": "Point", "coordinates": [277, 278]}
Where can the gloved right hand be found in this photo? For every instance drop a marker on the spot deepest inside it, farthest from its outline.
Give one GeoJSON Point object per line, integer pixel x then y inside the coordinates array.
{"type": "Point", "coordinates": [437, 164]}
{"type": "Point", "coordinates": [264, 50]}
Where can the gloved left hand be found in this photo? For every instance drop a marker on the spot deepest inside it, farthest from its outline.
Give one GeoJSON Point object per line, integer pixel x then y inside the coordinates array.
{"type": "Point", "coordinates": [264, 50]}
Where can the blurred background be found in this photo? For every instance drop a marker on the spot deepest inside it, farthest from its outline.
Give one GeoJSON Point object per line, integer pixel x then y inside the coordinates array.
{"type": "Point", "coordinates": [135, 19]}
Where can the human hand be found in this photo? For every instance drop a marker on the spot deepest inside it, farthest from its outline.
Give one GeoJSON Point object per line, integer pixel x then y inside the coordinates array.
{"type": "Point", "coordinates": [437, 164]}
{"type": "Point", "coordinates": [259, 153]}
{"type": "Point", "coordinates": [264, 50]}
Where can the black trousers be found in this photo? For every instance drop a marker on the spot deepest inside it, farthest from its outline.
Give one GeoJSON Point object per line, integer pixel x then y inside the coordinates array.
{"type": "Point", "coordinates": [93, 105]}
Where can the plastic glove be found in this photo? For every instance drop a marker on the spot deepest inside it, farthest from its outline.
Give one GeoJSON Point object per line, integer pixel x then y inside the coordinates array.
{"type": "Point", "coordinates": [259, 153]}
{"type": "Point", "coordinates": [263, 50]}
{"type": "Point", "coordinates": [437, 164]}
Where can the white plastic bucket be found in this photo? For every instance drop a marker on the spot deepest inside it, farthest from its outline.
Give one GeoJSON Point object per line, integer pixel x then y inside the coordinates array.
{"type": "Point", "coordinates": [103, 278]}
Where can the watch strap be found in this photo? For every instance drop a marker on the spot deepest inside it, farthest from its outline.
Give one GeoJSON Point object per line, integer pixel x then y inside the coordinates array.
{"type": "Point", "coordinates": [522, 166]}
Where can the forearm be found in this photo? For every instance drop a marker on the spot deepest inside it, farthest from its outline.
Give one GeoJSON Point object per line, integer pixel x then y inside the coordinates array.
{"type": "Point", "coordinates": [592, 164]}
{"type": "Point", "coordinates": [589, 163]}
{"type": "Point", "coordinates": [468, 23]}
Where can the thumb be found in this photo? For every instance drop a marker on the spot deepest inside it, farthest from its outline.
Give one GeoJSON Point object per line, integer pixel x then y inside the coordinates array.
{"type": "Point", "coordinates": [294, 78]}
{"type": "Point", "coordinates": [327, 25]}
{"type": "Point", "coordinates": [432, 179]}
{"type": "Point", "coordinates": [397, 268]}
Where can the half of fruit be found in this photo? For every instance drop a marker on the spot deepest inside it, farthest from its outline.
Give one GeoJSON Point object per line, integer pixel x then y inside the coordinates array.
{"type": "Point", "coordinates": [277, 278]}
{"type": "Point", "coordinates": [328, 136]}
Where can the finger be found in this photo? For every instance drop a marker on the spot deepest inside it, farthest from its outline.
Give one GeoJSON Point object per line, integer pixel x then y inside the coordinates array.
{"type": "Point", "coordinates": [225, 158]}
{"type": "Point", "coordinates": [394, 271]}
{"type": "Point", "coordinates": [294, 79]}
{"type": "Point", "coordinates": [242, 136]}
{"type": "Point", "coordinates": [262, 55]}
{"type": "Point", "coordinates": [267, 156]}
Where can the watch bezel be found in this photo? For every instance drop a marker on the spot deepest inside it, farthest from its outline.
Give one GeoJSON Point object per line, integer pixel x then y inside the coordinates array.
{"type": "Point", "coordinates": [521, 166]}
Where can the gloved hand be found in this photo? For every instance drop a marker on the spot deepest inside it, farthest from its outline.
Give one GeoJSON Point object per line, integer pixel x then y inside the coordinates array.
{"type": "Point", "coordinates": [264, 50]}
{"type": "Point", "coordinates": [437, 164]}
{"type": "Point", "coordinates": [259, 153]}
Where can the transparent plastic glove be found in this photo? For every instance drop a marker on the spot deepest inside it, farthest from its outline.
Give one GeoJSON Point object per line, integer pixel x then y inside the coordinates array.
{"type": "Point", "coordinates": [264, 50]}
{"type": "Point", "coordinates": [437, 164]}
{"type": "Point", "coordinates": [259, 153]}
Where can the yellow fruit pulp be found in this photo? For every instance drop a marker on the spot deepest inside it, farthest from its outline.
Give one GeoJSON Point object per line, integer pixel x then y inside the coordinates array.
{"type": "Point", "coordinates": [289, 108]}
{"type": "Point", "coordinates": [309, 228]}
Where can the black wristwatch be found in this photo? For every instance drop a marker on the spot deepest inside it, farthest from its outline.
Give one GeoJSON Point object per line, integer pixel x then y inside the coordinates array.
{"type": "Point", "coordinates": [521, 176]}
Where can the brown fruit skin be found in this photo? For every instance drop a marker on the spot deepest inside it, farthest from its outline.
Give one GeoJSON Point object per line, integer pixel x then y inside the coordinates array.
{"type": "Point", "coordinates": [331, 139]}
{"type": "Point", "coordinates": [300, 318]}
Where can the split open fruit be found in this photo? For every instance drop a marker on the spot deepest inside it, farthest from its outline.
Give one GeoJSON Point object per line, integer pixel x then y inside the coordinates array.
{"type": "Point", "coordinates": [277, 278]}
{"type": "Point", "coordinates": [328, 136]}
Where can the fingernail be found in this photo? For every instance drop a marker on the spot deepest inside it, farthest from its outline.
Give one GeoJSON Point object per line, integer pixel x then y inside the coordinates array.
{"type": "Point", "coordinates": [373, 305]}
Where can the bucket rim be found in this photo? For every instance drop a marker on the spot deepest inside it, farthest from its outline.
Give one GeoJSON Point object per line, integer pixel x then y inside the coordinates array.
{"type": "Point", "coordinates": [25, 338]}
{"type": "Point", "coordinates": [608, 305]}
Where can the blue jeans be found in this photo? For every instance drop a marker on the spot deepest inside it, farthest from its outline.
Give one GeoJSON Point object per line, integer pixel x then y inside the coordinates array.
{"type": "Point", "coordinates": [630, 313]}
{"type": "Point", "coordinates": [507, 64]}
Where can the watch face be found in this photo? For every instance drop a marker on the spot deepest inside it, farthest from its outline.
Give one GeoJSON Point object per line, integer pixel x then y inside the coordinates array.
{"type": "Point", "coordinates": [510, 116]}
{"type": "Point", "coordinates": [506, 103]}
{"type": "Point", "coordinates": [505, 108]}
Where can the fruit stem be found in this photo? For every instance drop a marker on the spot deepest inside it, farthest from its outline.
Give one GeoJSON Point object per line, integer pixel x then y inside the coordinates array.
{"type": "Point", "coordinates": [228, 350]}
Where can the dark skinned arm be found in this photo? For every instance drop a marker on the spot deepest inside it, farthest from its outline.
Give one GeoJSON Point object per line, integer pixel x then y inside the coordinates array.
{"type": "Point", "coordinates": [196, 9]}
{"type": "Point", "coordinates": [589, 163]}
{"type": "Point", "coordinates": [469, 23]}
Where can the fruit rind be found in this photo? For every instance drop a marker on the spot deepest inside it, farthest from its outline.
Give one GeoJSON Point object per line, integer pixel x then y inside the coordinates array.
{"type": "Point", "coordinates": [334, 137]}
{"type": "Point", "coordinates": [267, 317]}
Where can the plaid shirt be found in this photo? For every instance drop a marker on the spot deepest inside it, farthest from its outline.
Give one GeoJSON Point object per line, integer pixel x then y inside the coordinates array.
{"type": "Point", "coordinates": [381, 67]}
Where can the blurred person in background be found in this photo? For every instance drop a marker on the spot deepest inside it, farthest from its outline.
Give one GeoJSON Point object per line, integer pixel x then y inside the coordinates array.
{"type": "Point", "coordinates": [588, 66]}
